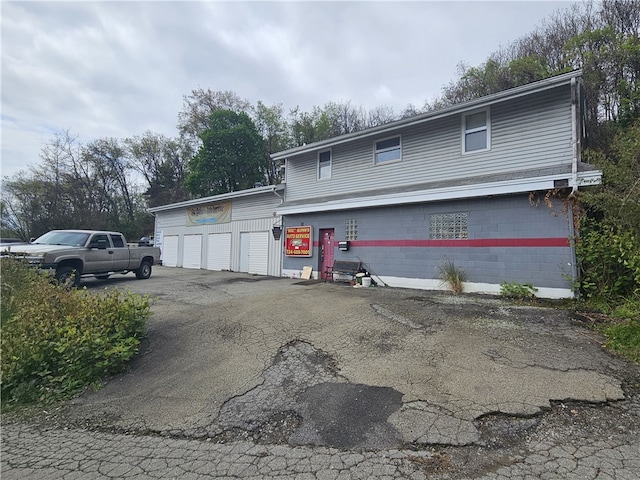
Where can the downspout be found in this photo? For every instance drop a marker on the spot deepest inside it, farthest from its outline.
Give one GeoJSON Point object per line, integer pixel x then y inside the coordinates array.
{"type": "Point", "coordinates": [575, 142]}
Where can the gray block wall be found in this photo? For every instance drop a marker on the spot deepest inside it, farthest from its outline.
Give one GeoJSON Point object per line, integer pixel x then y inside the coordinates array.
{"type": "Point", "coordinates": [502, 217]}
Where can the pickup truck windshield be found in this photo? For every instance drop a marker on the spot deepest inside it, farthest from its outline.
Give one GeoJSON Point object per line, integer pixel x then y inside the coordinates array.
{"type": "Point", "coordinates": [74, 239]}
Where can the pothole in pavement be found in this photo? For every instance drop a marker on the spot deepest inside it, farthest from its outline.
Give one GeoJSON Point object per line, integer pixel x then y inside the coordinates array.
{"type": "Point", "coordinates": [303, 400]}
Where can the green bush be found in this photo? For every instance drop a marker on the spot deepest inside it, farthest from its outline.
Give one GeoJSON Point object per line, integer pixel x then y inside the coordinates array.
{"type": "Point", "coordinates": [520, 291]}
{"type": "Point", "coordinates": [609, 262]}
{"type": "Point", "coordinates": [56, 342]}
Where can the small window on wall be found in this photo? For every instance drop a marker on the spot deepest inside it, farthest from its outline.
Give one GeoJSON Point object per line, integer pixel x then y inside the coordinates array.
{"type": "Point", "coordinates": [351, 229]}
{"type": "Point", "coordinates": [388, 150]}
{"type": "Point", "coordinates": [324, 165]}
{"type": "Point", "coordinates": [446, 226]}
{"type": "Point", "coordinates": [476, 129]}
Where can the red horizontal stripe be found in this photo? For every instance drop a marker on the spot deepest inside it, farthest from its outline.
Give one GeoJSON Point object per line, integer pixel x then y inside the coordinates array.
{"type": "Point", "coordinates": [480, 242]}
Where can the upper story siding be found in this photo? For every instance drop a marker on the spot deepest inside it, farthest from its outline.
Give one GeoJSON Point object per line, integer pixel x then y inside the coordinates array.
{"type": "Point", "coordinates": [250, 207]}
{"type": "Point", "coordinates": [528, 132]}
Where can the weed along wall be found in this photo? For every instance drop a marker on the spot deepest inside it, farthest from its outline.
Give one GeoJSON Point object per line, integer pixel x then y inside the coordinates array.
{"type": "Point", "coordinates": [498, 239]}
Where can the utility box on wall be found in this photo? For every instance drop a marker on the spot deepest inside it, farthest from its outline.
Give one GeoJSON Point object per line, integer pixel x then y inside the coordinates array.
{"type": "Point", "coordinates": [344, 246]}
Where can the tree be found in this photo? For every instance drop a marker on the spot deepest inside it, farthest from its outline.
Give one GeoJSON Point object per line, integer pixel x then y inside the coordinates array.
{"type": "Point", "coordinates": [162, 162]}
{"type": "Point", "coordinates": [231, 158]}
{"type": "Point", "coordinates": [197, 108]}
{"type": "Point", "coordinates": [274, 128]}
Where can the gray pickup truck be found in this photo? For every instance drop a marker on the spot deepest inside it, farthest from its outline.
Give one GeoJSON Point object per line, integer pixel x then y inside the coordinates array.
{"type": "Point", "coordinates": [73, 254]}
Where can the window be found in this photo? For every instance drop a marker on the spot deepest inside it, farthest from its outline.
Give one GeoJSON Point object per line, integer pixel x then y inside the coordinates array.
{"type": "Point", "coordinates": [445, 226]}
{"type": "Point", "coordinates": [388, 150]}
{"type": "Point", "coordinates": [324, 165]}
{"type": "Point", "coordinates": [476, 128]}
{"type": "Point", "coordinates": [117, 241]}
{"type": "Point", "coordinates": [351, 229]}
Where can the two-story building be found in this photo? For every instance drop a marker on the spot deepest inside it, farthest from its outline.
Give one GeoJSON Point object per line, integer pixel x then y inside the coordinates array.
{"type": "Point", "coordinates": [465, 183]}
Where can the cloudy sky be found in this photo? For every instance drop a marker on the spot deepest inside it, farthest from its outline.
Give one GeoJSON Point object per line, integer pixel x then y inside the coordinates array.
{"type": "Point", "coordinates": [117, 69]}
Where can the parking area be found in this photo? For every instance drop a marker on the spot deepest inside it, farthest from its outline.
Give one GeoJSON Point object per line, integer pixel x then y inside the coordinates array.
{"type": "Point", "coordinates": [238, 358]}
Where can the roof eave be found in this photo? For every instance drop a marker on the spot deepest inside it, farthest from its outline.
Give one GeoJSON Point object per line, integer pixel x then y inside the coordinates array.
{"type": "Point", "coordinates": [541, 85]}
{"type": "Point", "coordinates": [218, 198]}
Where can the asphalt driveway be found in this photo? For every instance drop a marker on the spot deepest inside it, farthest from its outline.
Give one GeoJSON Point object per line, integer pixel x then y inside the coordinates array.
{"type": "Point", "coordinates": [233, 357]}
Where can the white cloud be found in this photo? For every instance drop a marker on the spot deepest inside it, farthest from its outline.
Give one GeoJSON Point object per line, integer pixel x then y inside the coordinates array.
{"type": "Point", "coordinates": [119, 68]}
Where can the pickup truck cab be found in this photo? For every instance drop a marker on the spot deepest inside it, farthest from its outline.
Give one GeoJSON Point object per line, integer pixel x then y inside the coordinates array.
{"type": "Point", "coordinates": [73, 254]}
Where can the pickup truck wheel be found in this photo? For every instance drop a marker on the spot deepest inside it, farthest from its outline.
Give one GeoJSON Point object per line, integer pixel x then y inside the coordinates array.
{"type": "Point", "coordinates": [67, 276]}
{"type": "Point", "coordinates": [144, 271]}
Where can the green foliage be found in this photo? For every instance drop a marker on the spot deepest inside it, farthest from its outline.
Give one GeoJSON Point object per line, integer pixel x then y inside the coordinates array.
{"type": "Point", "coordinates": [519, 291]}
{"type": "Point", "coordinates": [55, 341]}
{"type": "Point", "coordinates": [453, 276]}
{"type": "Point", "coordinates": [232, 156]}
{"type": "Point", "coordinates": [609, 261]}
{"type": "Point", "coordinates": [623, 328]}
{"type": "Point", "coordinates": [624, 338]}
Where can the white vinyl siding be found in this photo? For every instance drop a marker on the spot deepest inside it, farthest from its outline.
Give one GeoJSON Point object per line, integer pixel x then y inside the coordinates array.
{"type": "Point", "coordinates": [170, 250]}
{"type": "Point", "coordinates": [526, 133]}
{"type": "Point", "coordinates": [219, 251]}
{"type": "Point", "coordinates": [192, 251]}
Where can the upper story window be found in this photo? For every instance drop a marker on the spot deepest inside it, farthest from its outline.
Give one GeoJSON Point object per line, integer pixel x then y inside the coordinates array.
{"type": "Point", "coordinates": [476, 131]}
{"type": "Point", "coordinates": [388, 150]}
{"type": "Point", "coordinates": [324, 165]}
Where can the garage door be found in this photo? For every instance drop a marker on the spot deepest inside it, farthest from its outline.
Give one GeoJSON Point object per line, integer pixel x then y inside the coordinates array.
{"type": "Point", "coordinates": [258, 252]}
{"type": "Point", "coordinates": [219, 251]}
{"type": "Point", "coordinates": [170, 250]}
{"type": "Point", "coordinates": [192, 253]}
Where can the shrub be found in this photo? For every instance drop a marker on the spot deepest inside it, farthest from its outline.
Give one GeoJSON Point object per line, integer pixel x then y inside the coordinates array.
{"type": "Point", "coordinates": [519, 291]}
{"type": "Point", "coordinates": [453, 276]}
{"type": "Point", "coordinates": [55, 342]}
{"type": "Point", "coordinates": [609, 262]}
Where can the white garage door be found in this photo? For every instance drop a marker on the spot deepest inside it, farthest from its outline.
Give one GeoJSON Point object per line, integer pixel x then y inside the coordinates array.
{"type": "Point", "coordinates": [259, 252]}
{"type": "Point", "coordinates": [192, 253]}
{"type": "Point", "coordinates": [219, 251]}
{"type": "Point", "coordinates": [170, 250]}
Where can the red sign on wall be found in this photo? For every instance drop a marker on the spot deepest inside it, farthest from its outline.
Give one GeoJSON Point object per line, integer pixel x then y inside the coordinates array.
{"type": "Point", "coordinates": [298, 241]}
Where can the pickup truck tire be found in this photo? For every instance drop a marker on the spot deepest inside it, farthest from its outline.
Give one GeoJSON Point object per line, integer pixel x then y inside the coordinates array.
{"type": "Point", "coordinates": [144, 271]}
{"type": "Point", "coordinates": [67, 276]}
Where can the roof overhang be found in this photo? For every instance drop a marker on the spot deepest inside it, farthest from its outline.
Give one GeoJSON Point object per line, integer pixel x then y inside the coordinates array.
{"type": "Point", "coordinates": [506, 187]}
{"type": "Point", "coordinates": [534, 87]}
{"type": "Point", "coordinates": [219, 198]}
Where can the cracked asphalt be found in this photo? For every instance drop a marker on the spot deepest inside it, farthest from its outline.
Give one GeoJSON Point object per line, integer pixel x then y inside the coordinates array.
{"type": "Point", "coordinates": [256, 377]}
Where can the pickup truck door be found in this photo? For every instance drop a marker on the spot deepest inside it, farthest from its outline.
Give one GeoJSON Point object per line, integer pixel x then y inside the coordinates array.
{"type": "Point", "coordinates": [120, 253]}
{"type": "Point", "coordinates": [100, 254]}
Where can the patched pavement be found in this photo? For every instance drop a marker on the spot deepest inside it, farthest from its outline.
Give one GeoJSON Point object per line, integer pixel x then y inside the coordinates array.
{"type": "Point", "coordinates": [255, 377]}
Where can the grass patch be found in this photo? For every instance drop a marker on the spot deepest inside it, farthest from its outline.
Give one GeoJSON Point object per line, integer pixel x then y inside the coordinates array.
{"type": "Point", "coordinates": [55, 342]}
{"type": "Point", "coordinates": [619, 322]}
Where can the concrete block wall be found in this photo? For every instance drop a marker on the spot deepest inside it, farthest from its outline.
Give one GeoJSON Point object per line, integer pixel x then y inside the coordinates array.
{"type": "Point", "coordinates": [395, 241]}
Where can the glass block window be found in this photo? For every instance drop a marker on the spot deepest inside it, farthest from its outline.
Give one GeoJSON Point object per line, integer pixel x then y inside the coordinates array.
{"type": "Point", "coordinates": [444, 226]}
{"type": "Point", "coordinates": [351, 229]}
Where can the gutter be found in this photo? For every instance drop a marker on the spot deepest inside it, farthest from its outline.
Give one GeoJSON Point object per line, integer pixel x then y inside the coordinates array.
{"type": "Point", "coordinates": [575, 142]}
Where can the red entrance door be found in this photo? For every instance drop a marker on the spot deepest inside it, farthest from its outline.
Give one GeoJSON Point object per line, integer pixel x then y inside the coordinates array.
{"type": "Point", "coordinates": [326, 251]}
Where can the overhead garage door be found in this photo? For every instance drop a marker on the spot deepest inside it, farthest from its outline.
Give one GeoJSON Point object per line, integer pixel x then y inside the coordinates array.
{"type": "Point", "coordinates": [259, 252]}
{"type": "Point", "coordinates": [170, 250]}
{"type": "Point", "coordinates": [219, 251]}
{"type": "Point", "coordinates": [192, 253]}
